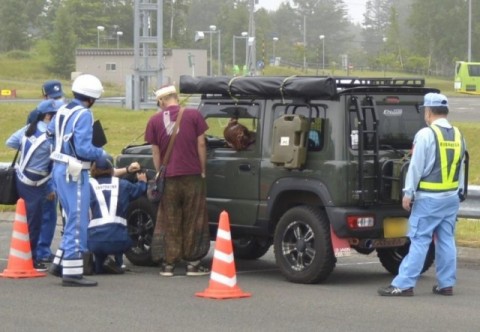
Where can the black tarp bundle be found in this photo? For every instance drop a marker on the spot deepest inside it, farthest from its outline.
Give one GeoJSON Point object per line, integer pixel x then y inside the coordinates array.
{"type": "Point", "coordinates": [261, 86]}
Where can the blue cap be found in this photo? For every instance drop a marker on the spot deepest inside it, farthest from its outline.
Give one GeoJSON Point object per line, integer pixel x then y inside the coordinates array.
{"type": "Point", "coordinates": [105, 161]}
{"type": "Point", "coordinates": [435, 100]}
{"type": "Point", "coordinates": [52, 89]}
{"type": "Point", "coordinates": [49, 106]}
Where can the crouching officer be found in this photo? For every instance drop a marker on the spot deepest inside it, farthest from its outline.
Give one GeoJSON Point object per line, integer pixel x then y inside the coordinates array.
{"type": "Point", "coordinates": [109, 200]}
{"type": "Point", "coordinates": [72, 129]}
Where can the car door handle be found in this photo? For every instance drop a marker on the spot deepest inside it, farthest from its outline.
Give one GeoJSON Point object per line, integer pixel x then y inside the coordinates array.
{"type": "Point", "coordinates": [245, 167]}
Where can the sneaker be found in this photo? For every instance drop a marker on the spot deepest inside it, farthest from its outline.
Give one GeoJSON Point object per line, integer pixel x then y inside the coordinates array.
{"type": "Point", "coordinates": [46, 260]}
{"type": "Point", "coordinates": [197, 270]}
{"type": "Point", "coordinates": [167, 270]}
{"type": "Point", "coordinates": [447, 291]}
{"type": "Point", "coordinates": [39, 266]}
{"type": "Point", "coordinates": [395, 291]}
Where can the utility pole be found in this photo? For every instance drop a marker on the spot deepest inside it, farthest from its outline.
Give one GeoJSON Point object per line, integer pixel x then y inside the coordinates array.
{"type": "Point", "coordinates": [469, 56]}
{"type": "Point", "coordinates": [251, 51]}
{"type": "Point", "coordinates": [145, 44]}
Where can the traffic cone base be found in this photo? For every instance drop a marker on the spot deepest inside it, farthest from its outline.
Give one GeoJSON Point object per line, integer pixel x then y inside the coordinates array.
{"type": "Point", "coordinates": [223, 279]}
{"type": "Point", "coordinates": [20, 264]}
{"type": "Point", "coordinates": [14, 274]}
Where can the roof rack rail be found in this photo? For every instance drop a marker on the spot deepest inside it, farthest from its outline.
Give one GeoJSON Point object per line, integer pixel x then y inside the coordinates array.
{"type": "Point", "coordinates": [353, 82]}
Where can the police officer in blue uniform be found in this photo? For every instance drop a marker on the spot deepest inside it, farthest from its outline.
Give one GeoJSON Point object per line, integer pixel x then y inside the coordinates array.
{"type": "Point", "coordinates": [34, 170]}
{"type": "Point", "coordinates": [51, 89]}
{"type": "Point", "coordinates": [435, 185]}
{"type": "Point", "coordinates": [109, 200]}
{"type": "Point", "coordinates": [72, 130]}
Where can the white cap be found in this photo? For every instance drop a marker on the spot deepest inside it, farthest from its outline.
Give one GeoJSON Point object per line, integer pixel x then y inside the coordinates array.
{"type": "Point", "coordinates": [165, 91]}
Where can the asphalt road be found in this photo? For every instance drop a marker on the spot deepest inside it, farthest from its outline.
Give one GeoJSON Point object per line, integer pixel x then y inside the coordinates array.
{"type": "Point", "coordinates": [142, 300]}
{"type": "Point", "coordinates": [464, 109]}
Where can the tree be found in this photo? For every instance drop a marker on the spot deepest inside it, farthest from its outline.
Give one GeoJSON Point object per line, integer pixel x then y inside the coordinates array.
{"type": "Point", "coordinates": [440, 35]}
{"type": "Point", "coordinates": [13, 25]}
{"type": "Point", "coordinates": [63, 44]}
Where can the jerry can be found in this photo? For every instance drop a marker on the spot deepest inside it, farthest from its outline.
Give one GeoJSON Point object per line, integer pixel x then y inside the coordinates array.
{"type": "Point", "coordinates": [290, 133]}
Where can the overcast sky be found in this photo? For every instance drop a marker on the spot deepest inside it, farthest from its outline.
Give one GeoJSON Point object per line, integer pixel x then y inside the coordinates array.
{"type": "Point", "coordinates": [356, 8]}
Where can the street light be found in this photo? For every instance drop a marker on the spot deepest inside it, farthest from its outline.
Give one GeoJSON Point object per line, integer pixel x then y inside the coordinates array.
{"type": "Point", "coordinates": [99, 28]}
{"type": "Point", "coordinates": [212, 29]}
{"type": "Point", "coordinates": [119, 34]}
{"type": "Point", "coordinates": [322, 38]}
{"type": "Point", "coordinates": [384, 56]}
{"type": "Point", "coordinates": [275, 39]}
{"type": "Point", "coordinates": [244, 35]}
{"type": "Point", "coordinates": [200, 35]}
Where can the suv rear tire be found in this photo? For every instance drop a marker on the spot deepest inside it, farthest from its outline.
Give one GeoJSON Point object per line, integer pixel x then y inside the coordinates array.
{"type": "Point", "coordinates": [141, 218]}
{"type": "Point", "coordinates": [391, 258]}
{"type": "Point", "coordinates": [250, 247]}
{"type": "Point", "coordinates": [302, 244]}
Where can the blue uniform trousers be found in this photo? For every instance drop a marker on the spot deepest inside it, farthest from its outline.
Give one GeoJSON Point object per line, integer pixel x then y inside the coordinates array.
{"type": "Point", "coordinates": [33, 197]}
{"type": "Point", "coordinates": [47, 231]}
{"type": "Point", "coordinates": [429, 217]}
{"type": "Point", "coordinates": [74, 196]}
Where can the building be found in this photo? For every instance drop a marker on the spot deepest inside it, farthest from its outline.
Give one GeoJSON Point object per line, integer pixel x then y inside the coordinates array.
{"type": "Point", "coordinates": [116, 65]}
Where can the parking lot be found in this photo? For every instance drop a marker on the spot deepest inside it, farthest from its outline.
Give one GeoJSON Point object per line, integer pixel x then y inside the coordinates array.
{"type": "Point", "coordinates": [142, 300]}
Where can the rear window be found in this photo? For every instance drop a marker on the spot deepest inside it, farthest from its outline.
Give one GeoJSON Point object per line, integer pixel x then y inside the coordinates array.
{"type": "Point", "coordinates": [397, 125]}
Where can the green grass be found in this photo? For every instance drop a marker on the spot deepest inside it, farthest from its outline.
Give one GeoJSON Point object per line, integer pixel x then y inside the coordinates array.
{"type": "Point", "coordinates": [123, 127]}
{"type": "Point", "coordinates": [467, 233]}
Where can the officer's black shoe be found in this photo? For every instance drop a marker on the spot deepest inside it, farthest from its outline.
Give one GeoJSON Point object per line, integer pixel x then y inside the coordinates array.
{"type": "Point", "coordinates": [110, 267]}
{"type": "Point", "coordinates": [55, 270]}
{"type": "Point", "coordinates": [78, 282]}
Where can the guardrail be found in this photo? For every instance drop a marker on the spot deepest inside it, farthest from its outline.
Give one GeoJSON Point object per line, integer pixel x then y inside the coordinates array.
{"type": "Point", "coordinates": [470, 208]}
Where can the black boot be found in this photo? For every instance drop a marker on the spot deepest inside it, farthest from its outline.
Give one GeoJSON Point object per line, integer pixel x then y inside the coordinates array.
{"type": "Point", "coordinates": [80, 281]}
{"type": "Point", "coordinates": [55, 270]}
{"type": "Point", "coordinates": [88, 264]}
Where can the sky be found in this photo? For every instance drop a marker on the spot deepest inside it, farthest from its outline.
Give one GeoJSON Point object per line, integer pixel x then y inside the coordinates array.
{"type": "Point", "coordinates": [356, 8]}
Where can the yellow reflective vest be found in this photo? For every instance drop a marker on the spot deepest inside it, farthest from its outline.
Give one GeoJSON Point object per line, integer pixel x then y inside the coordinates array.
{"type": "Point", "coordinates": [449, 154]}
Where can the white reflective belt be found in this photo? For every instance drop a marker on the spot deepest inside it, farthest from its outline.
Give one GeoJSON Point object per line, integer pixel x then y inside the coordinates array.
{"type": "Point", "coordinates": [108, 214]}
{"type": "Point", "coordinates": [65, 158]}
{"type": "Point", "coordinates": [104, 221]}
{"type": "Point", "coordinates": [23, 178]}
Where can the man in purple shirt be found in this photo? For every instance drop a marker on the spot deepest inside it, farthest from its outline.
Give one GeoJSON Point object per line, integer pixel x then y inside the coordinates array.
{"type": "Point", "coordinates": [181, 230]}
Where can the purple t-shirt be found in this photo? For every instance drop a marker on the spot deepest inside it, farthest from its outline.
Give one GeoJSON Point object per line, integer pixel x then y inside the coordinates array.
{"type": "Point", "coordinates": [184, 159]}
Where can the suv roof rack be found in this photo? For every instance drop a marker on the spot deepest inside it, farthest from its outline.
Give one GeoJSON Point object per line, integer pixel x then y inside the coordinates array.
{"type": "Point", "coordinates": [353, 82]}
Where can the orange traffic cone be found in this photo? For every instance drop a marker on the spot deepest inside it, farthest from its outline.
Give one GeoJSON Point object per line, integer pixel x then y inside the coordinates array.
{"type": "Point", "coordinates": [223, 278]}
{"type": "Point", "coordinates": [20, 264]}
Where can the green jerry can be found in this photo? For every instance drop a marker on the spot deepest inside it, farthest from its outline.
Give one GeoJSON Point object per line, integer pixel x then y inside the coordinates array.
{"type": "Point", "coordinates": [290, 133]}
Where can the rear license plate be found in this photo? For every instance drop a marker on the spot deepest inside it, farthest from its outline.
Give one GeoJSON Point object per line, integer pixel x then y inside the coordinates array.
{"type": "Point", "coordinates": [395, 227]}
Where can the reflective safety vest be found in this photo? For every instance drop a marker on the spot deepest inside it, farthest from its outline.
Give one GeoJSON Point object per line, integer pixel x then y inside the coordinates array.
{"type": "Point", "coordinates": [108, 211]}
{"type": "Point", "coordinates": [449, 154]}
{"type": "Point", "coordinates": [29, 146]}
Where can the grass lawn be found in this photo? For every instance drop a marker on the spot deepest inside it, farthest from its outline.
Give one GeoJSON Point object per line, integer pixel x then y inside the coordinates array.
{"type": "Point", "coordinates": [123, 127]}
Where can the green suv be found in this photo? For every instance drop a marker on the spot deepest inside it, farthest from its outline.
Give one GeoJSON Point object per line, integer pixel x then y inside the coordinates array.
{"type": "Point", "coordinates": [323, 177]}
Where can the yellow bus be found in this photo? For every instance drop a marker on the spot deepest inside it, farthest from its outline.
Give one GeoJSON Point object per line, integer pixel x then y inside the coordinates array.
{"type": "Point", "coordinates": [467, 77]}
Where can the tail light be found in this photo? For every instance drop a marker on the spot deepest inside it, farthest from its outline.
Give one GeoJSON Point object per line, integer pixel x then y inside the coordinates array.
{"type": "Point", "coordinates": [358, 222]}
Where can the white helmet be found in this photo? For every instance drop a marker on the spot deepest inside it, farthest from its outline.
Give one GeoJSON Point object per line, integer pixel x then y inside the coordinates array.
{"type": "Point", "coordinates": [88, 85]}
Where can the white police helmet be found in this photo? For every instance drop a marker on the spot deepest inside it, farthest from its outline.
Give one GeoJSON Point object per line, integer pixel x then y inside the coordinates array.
{"type": "Point", "coordinates": [88, 85]}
